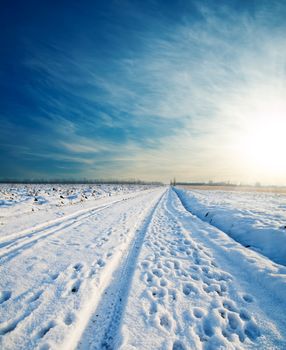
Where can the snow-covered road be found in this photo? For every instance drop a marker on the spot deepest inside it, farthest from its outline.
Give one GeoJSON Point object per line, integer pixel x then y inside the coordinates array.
{"type": "Point", "coordinates": [137, 271]}
{"type": "Point", "coordinates": [196, 288]}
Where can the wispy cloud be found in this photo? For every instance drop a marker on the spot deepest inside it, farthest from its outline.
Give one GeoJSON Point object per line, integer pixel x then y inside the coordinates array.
{"type": "Point", "coordinates": [172, 93]}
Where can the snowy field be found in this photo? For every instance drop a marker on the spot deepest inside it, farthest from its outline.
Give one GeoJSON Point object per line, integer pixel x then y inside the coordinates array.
{"type": "Point", "coordinates": [141, 267]}
{"type": "Point", "coordinates": [257, 220]}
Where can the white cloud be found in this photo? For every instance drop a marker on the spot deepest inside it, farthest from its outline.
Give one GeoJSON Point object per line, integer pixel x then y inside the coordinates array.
{"type": "Point", "coordinates": [207, 75]}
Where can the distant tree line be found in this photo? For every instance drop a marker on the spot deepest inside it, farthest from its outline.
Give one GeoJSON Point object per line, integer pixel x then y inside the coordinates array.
{"type": "Point", "coordinates": [81, 181]}
{"type": "Point", "coordinates": [209, 183]}
{"type": "Point", "coordinates": [220, 183]}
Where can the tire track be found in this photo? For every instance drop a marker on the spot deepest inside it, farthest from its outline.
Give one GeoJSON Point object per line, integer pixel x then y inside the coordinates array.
{"type": "Point", "coordinates": [27, 241]}
{"type": "Point", "coordinates": [65, 296]}
{"type": "Point", "coordinates": [27, 238]}
{"type": "Point", "coordinates": [102, 329]}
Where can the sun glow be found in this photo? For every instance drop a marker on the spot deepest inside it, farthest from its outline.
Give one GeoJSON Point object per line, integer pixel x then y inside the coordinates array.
{"type": "Point", "coordinates": [262, 145]}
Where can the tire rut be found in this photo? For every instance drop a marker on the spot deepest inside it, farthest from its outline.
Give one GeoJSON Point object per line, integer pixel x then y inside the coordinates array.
{"type": "Point", "coordinates": [105, 322]}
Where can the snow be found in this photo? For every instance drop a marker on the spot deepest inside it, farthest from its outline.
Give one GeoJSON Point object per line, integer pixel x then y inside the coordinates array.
{"type": "Point", "coordinates": [197, 288]}
{"type": "Point", "coordinates": [133, 268]}
{"type": "Point", "coordinates": [257, 220]}
{"type": "Point", "coordinates": [33, 204]}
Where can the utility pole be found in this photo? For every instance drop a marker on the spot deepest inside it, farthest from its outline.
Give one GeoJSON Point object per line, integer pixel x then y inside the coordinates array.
{"type": "Point", "coordinates": [173, 182]}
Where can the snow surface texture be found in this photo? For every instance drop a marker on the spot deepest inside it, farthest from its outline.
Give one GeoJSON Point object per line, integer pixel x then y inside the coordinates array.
{"type": "Point", "coordinates": [32, 204]}
{"type": "Point", "coordinates": [135, 270]}
{"type": "Point", "coordinates": [257, 220]}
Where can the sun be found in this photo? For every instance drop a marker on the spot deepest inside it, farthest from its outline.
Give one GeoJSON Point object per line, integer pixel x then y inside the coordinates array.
{"type": "Point", "coordinates": [263, 143]}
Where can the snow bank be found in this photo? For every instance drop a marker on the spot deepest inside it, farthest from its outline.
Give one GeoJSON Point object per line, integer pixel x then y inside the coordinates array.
{"type": "Point", "coordinates": [255, 220]}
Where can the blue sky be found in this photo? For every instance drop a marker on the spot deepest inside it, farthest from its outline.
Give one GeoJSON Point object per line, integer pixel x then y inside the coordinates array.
{"type": "Point", "coordinates": [139, 89]}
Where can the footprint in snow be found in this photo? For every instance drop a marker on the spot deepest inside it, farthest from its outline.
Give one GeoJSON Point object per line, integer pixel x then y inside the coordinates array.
{"type": "Point", "coordinates": [46, 329]}
{"type": "Point", "coordinates": [69, 318]}
{"type": "Point", "coordinates": [5, 295]}
{"type": "Point", "coordinates": [100, 262]}
{"type": "Point", "coordinates": [248, 298]}
{"type": "Point", "coordinates": [198, 312]}
{"type": "Point", "coordinates": [178, 345]}
{"type": "Point", "coordinates": [77, 267]}
{"type": "Point", "coordinates": [75, 287]}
